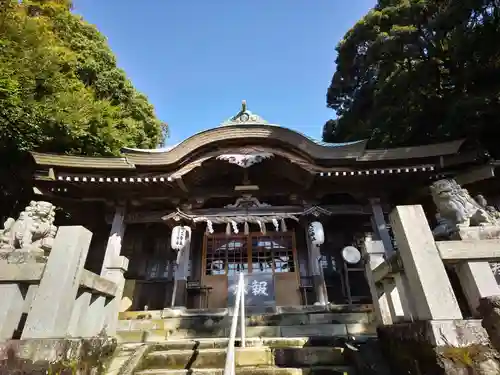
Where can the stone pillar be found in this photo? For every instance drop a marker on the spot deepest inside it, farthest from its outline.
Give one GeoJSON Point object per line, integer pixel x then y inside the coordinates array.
{"type": "Point", "coordinates": [374, 256]}
{"type": "Point", "coordinates": [428, 282]}
{"type": "Point", "coordinates": [11, 309]}
{"type": "Point", "coordinates": [476, 278]}
{"type": "Point", "coordinates": [115, 272]}
{"type": "Point", "coordinates": [316, 272]}
{"type": "Point", "coordinates": [398, 304]}
{"type": "Point", "coordinates": [402, 298]}
{"type": "Point", "coordinates": [380, 226]}
{"type": "Point", "coordinates": [477, 281]}
{"type": "Point", "coordinates": [52, 308]}
{"type": "Point", "coordinates": [181, 274]}
{"type": "Point", "coordinates": [80, 315]}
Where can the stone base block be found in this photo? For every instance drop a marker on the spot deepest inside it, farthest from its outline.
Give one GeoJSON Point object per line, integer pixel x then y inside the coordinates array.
{"type": "Point", "coordinates": [54, 356]}
{"type": "Point", "coordinates": [487, 232]}
{"type": "Point", "coordinates": [23, 257]}
{"type": "Point", "coordinates": [445, 347]}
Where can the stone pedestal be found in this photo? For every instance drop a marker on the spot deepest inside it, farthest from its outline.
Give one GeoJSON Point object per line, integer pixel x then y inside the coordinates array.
{"type": "Point", "coordinates": [446, 347]}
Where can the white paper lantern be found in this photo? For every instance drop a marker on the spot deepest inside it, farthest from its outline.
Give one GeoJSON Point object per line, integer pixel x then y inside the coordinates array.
{"type": "Point", "coordinates": [316, 233]}
{"type": "Point", "coordinates": [180, 235]}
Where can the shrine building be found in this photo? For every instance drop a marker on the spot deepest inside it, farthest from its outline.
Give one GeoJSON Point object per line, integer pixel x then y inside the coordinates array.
{"type": "Point", "coordinates": [250, 196]}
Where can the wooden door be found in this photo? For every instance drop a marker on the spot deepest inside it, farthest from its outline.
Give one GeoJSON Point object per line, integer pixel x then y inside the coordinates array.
{"type": "Point", "coordinates": [223, 256]}
{"type": "Point", "coordinates": [274, 253]}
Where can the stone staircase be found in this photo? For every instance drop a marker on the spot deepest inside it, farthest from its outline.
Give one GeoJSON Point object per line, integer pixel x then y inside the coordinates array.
{"type": "Point", "coordinates": [283, 341]}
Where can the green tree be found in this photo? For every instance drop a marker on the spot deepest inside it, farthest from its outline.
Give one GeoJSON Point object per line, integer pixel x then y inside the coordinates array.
{"type": "Point", "coordinates": [419, 71]}
{"type": "Point", "coordinates": [61, 90]}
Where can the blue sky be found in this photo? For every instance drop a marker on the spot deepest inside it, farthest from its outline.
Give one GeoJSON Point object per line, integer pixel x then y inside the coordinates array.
{"type": "Point", "coordinates": [197, 59]}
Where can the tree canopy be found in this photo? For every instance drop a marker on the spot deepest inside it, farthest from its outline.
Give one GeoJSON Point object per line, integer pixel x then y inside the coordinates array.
{"type": "Point", "coordinates": [419, 71]}
{"type": "Point", "coordinates": [61, 90]}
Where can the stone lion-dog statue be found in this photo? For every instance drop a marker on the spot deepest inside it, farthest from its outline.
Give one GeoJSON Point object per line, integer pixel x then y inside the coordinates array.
{"type": "Point", "coordinates": [33, 231]}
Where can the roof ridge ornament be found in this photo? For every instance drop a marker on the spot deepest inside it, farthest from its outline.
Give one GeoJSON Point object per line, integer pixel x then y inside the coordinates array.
{"type": "Point", "coordinates": [245, 117]}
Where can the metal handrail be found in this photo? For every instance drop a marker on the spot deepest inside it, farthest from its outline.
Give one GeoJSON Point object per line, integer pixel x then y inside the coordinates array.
{"type": "Point", "coordinates": [239, 309]}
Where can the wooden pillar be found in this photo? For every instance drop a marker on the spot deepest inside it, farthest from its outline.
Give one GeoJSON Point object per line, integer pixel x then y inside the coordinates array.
{"type": "Point", "coordinates": [380, 225]}
{"type": "Point", "coordinates": [113, 268]}
{"type": "Point", "coordinates": [114, 245]}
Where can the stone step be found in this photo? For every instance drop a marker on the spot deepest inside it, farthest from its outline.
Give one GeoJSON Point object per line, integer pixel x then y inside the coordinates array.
{"type": "Point", "coordinates": [249, 310]}
{"type": "Point", "coordinates": [126, 356]}
{"type": "Point", "coordinates": [270, 342]}
{"type": "Point", "coordinates": [256, 310]}
{"type": "Point", "coordinates": [245, 357]}
{"type": "Point", "coordinates": [156, 331]}
{"type": "Point", "coordinates": [211, 321]}
{"type": "Point", "coordinates": [315, 370]}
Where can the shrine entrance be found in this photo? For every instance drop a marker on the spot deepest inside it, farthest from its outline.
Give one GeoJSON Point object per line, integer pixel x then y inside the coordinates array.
{"type": "Point", "coordinates": [270, 260]}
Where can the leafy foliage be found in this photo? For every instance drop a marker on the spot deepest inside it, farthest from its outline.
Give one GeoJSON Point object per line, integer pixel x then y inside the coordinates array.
{"type": "Point", "coordinates": [60, 88]}
{"type": "Point", "coordinates": [419, 71]}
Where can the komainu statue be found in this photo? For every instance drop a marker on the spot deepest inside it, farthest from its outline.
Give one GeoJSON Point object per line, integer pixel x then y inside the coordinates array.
{"type": "Point", "coordinates": [457, 209]}
{"type": "Point", "coordinates": [34, 230]}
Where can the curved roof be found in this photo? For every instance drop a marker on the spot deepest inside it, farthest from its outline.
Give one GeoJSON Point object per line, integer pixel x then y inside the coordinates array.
{"type": "Point", "coordinates": [243, 118]}
{"type": "Point", "coordinates": [246, 129]}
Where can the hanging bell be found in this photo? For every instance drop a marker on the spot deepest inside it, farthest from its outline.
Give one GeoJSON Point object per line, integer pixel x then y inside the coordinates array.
{"type": "Point", "coordinates": [246, 229]}
{"type": "Point", "coordinates": [228, 229]}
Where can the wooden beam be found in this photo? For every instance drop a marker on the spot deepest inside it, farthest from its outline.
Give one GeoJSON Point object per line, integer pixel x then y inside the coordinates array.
{"type": "Point", "coordinates": [475, 175]}
{"type": "Point", "coordinates": [182, 185]}
{"type": "Point", "coordinates": [469, 250]}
